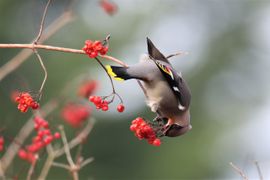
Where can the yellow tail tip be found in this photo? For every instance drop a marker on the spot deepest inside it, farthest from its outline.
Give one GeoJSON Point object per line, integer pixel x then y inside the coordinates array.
{"type": "Point", "coordinates": [112, 74]}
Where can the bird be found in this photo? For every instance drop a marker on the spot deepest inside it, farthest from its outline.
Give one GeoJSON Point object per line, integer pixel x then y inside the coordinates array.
{"type": "Point", "coordinates": [167, 93]}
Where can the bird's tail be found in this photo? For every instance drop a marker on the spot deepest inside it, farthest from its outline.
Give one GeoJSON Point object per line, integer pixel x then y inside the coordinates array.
{"type": "Point", "coordinates": [118, 73]}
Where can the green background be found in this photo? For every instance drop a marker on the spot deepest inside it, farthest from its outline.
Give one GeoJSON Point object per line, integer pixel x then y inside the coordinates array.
{"type": "Point", "coordinates": [227, 69]}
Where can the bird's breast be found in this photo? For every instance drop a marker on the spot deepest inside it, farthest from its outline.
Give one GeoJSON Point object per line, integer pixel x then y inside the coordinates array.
{"type": "Point", "coordinates": [160, 97]}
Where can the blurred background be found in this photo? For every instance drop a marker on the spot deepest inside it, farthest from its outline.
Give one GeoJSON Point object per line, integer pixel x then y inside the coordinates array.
{"type": "Point", "coordinates": [227, 69]}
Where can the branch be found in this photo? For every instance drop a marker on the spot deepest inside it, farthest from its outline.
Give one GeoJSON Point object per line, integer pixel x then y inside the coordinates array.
{"type": "Point", "coordinates": [2, 174]}
{"type": "Point", "coordinates": [78, 139]}
{"type": "Point", "coordinates": [259, 170]}
{"type": "Point", "coordinates": [239, 171]}
{"type": "Point", "coordinates": [31, 170]}
{"type": "Point", "coordinates": [22, 56]}
{"type": "Point", "coordinates": [42, 22]}
{"type": "Point", "coordinates": [22, 135]}
{"type": "Point", "coordinates": [66, 147]}
{"type": "Point", "coordinates": [48, 163]}
{"type": "Point", "coordinates": [60, 165]}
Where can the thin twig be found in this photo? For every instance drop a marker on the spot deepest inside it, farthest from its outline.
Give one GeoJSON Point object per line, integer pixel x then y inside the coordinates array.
{"type": "Point", "coordinates": [78, 139]}
{"type": "Point", "coordinates": [104, 68]}
{"type": "Point", "coordinates": [48, 163]}
{"type": "Point", "coordinates": [87, 161]}
{"type": "Point", "coordinates": [42, 22]}
{"type": "Point", "coordinates": [2, 174]}
{"type": "Point", "coordinates": [31, 170]}
{"type": "Point", "coordinates": [64, 166]}
{"type": "Point", "coordinates": [25, 131]}
{"type": "Point", "coordinates": [72, 166]}
{"type": "Point", "coordinates": [177, 54]}
{"type": "Point", "coordinates": [66, 146]}
{"type": "Point", "coordinates": [23, 55]}
{"type": "Point", "coordinates": [239, 171]}
{"type": "Point", "coordinates": [258, 169]}
{"type": "Point", "coordinates": [45, 73]}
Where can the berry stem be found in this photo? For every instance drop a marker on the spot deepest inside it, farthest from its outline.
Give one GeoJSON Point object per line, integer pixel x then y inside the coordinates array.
{"type": "Point", "coordinates": [45, 73]}
{"type": "Point", "coordinates": [100, 63]}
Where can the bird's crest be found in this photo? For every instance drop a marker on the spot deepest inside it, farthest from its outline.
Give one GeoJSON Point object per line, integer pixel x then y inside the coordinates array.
{"type": "Point", "coordinates": [154, 52]}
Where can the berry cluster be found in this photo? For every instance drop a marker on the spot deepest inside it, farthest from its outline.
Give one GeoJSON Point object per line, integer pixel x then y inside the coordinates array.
{"type": "Point", "coordinates": [103, 104]}
{"type": "Point", "coordinates": [92, 49]}
{"type": "Point", "coordinates": [25, 101]}
{"type": "Point", "coordinates": [99, 103]}
{"type": "Point", "coordinates": [75, 114]}
{"type": "Point", "coordinates": [43, 138]}
{"type": "Point", "coordinates": [87, 88]}
{"type": "Point", "coordinates": [143, 130]}
{"type": "Point", "coordinates": [108, 7]}
{"type": "Point", "coordinates": [2, 142]}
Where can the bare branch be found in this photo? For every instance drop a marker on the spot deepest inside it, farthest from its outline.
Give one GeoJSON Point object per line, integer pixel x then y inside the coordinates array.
{"type": "Point", "coordinates": [258, 169]}
{"type": "Point", "coordinates": [25, 131]}
{"type": "Point", "coordinates": [66, 146]}
{"type": "Point", "coordinates": [78, 139]}
{"type": "Point", "coordinates": [42, 22]}
{"type": "Point", "coordinates": [2, 174]}
{"type": "Point", "coordinates": [31, 170]}
{"type": "Point", "coordinates": [22, 56]}
{"type": "Point", "coordinates": [239, 171]}
{"type": "Point", "coordinates": [87, 161]}
{"type": "Point", "coordinates": [48, 163]}
{"type": "Point", "coordinates": [64, 166]}
{"type": "Point", "coordinates": [177, 54]}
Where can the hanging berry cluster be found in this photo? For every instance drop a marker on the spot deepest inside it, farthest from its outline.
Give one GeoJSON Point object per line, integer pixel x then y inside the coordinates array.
{"type": "Point", "coordinates": [93, 49]}
{"type": "Point", "coordinates": [99, 103]}
{"type": "Point", "coordinates": [102, 104]}
{"type": "Point", "coordinates": [143, 130]}
{"type": "Point", "coordinates": [43, 138]}
{"type": "Point", "coordinates": [25, 101]}
{"type": "Point", "coordinates": [75, 114]}
{"type": "Point", "coordinates": [2, 142]}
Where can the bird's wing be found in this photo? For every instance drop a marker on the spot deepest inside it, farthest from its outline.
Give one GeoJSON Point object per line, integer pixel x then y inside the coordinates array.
{"type": "Point", "coordinates": [176, 83]}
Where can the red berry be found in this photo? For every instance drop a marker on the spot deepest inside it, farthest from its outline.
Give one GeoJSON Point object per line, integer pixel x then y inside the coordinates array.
{"type": "Point", "coordinates": [45, 124]}
{"type": "Point", "coordinates": [48, 140]}
{"type": "Point", "coordinates": [97, 100]}
{"type": "Point", "coordinates": [108, 7]}
{"type": "Point", "coordinates": [57, 135]}
{"type": "Point", "coordinates": [35, 105]}
{"type": "Point", "coordinates": [105, 108]}
{"type": "Point", "coordinates": [2, 140]}
{"type": "Point", "coordinates": [92, 98]}
{"type": "Point", "coordinates": [104, 50]}
{"type": "Point", "coordinates": [47, 132]}
{"type": "Point", "coordinates": [22, 154]}
{"type": "Point", "coordinates": [120, 108]}
{"type": "Point", "coordinates": [156, 142]}
{"type": "Point", "coordinates": [133, 127]}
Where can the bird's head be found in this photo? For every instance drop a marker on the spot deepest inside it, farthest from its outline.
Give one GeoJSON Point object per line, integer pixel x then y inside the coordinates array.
{"type": "Point", "coordinates": [177, 130]}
